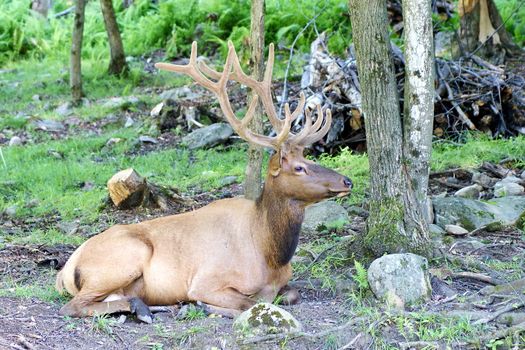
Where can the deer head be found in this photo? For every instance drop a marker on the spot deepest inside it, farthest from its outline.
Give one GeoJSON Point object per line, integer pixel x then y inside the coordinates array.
{"type": "Point", "coordinates": [289, 173]}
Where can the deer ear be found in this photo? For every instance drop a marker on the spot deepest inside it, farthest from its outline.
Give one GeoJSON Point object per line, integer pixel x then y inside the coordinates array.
{"type": "Point", "coordinates": [276, 163]}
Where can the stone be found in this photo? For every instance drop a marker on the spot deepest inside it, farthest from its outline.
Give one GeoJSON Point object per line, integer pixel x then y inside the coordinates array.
{"type": "Point", "coordinates": [112, 141]}
{"type": "Point", "coordinates": [472, 214]}
{"type": "Point", "coordinates": [208, 136]}
{"type": "Point", "coordinates": [228, 180]}
{"type": "Point", "coordinates": [155, 112]}
{"type": "Point", "coordinates": [178, 93]}
{"type": "Point", "coordinates": [15, 141]}
{"type": "Point", "coordinates": [36, 98]}
{"type": "Point", "coordinates": [466, 245]}
{"type": "Point", "coordinates": [400, 279]}
{"type": "Point", "coordinates": [435, 230]}
{"type": "Point", "coordinates": [471, 191]}
{"type": "Point", "coordinates": [507, 188]}
{"type": "Point", "coordinates": [11, 211]}
{"type": "Point", "coordinates": [121, 102]}
{"type": "Point", "coordinates": [148, 139]}
{"type": "Point", "coordinates": [49, 125]}
{"type": "Point", "coordinates": [483, 180]}
{"type": "Point", "coordinates": [511, 178]}
{"type": "Point", "coordinates": [456, 230]}
{"type": "Point", "coordinates": [327, 214]}
{"type": "Point", "coordinates": [129, 122]}
{"type": "Point", "coordinates": [64, 109]}
{"type": "Point", "coordinates": [265, 318]}
{"type": "Point", "coordinates": [67, 227]}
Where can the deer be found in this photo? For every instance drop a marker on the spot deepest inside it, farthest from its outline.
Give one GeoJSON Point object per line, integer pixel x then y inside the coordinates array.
{"type": "Point", "coordinates": [229, 254]}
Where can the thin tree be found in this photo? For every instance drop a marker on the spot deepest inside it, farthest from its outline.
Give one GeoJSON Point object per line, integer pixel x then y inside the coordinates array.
{"type": "Point", "coordinates": [252, 183]}
{"type": "Point", "coordinates": [483, 32]}
{"type": "Point", "coordinates": [75, 64]}
{"type": "Point", "coordinates": [398, 148]}
{"type": "Point", "coordinates": [117, 62]}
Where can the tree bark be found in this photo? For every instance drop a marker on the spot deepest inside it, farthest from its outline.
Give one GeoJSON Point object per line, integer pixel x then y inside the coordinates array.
{"type": "Point", "coordinates": [117, 63]}
{"type": "Point", "coordinates": [394, 223]}
{"type": "Point", "coordinates": [482, 31]}
{"type": "Point", "coordinates": [252, 183]}
{"type": "Point", "coordinates": [419, 99]}
{"type": "Point", "coordinates": [75, 73]}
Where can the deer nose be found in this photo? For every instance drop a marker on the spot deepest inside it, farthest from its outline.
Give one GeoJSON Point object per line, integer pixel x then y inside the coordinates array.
{"type": "Point", "coordinates": [347, 182]}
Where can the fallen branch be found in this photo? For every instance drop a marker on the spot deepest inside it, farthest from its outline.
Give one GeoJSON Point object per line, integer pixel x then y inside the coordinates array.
{"type": "Point", "coordinates": [497, 313]}
{"type": "Point", "coordinates": [476, 276]}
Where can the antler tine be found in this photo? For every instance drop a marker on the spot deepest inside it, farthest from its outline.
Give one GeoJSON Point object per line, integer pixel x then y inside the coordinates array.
{"type": "Point", "coordinates": [319, 134]}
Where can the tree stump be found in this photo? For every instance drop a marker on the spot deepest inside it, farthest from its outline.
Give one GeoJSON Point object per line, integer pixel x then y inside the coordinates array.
{"type": "Point", "coordinates": [127, 189]}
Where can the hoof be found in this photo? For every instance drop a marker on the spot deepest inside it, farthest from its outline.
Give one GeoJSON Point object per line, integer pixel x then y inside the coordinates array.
{"type": "Point", "coordinates": [140, 310]}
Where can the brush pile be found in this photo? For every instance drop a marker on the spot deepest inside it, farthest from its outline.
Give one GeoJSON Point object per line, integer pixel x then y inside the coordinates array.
{"type": "Point", "coordinates": [471, 94]}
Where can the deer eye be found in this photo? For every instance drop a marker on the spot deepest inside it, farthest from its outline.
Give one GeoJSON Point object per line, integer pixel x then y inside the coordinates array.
{"type": "Point", "coordinates": [299, 169]}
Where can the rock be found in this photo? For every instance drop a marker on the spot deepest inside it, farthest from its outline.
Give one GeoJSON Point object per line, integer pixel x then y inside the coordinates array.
{"type": "Point", "coordinates": [178, 93]}
{"type": "Point", "coordinates": [208, 136]}
{"type": "Point", "coordinates": [68, 228]}
{"type": "Point", "coordinates": [265, 318]}
{"type": "Point", "coordinates": [507, 188]}
{"type": "Point", "coordinates": [49, 125]}
{"type": "Point", "coordinates": [522, 176]}
{"type": "Point", "coordinates": [483, 180]}
{"type": "Point", "coordinates": [121, 102]}
{"type": "Point", "coordinates": [327, 214]}
{"type": "Point", "coordinates": [129, 122]}
{"type": "Point", "coordinates": [36, 98]}
{"type": "Point", "coordinates": [148, 139]}
{"type": "Point", "coordinates": [64, 109]}
{"type": "Point", "coordinates": [400, 278]}
{"type": "Point", "coordinates": [15, 141]}
{"type": "Point", "coordinates": [511, 178]}
{"type": "Point", "coordinates": [472, 214]}
{"type": "Point", "coordinates": [466, 245]}
{"type": "Point", "coordinates": [472, 191]}
{"type": "Point", "coordinates": [155, 112]}
{"type": "Point", "coordinates": [11, 211]}
{"type": "Point", "coordinates": [456, 230]}
{"type": "Point", "coordinates": [435, 230]}
{"type": "Point", "coordinates": [112, 141]}
{"type": "Point", "coordinates": [32, 203]}
{"type": "Point", "coordinates": [228, 180]}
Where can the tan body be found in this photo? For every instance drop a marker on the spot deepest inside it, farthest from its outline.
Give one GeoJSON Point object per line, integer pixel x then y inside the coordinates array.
{"type": "Point", "coordinates": [177, 258]}
{"type": "Point", "coordinates": [229, 254]}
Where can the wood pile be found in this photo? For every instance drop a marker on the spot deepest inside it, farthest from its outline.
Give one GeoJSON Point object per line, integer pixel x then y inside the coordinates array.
{"type": "Point", "coordinates": [471, 94]}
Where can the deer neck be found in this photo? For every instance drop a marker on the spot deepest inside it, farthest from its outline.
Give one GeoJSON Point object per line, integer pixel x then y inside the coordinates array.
{"type": "Point", "coordinates": [281, 219]}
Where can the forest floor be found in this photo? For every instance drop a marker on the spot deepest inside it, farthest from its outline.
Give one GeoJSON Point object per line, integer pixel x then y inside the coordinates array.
{"type": "Point", "coordinates": [53, 194]}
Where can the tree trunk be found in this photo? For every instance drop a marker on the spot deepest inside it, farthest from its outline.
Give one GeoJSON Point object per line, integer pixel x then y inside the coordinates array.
{"type": "Point", "coordinates": [75, 73]}
{"type": "Point", "coordinates": [117, 63]}
{"type": "Point", "coordinates": [252, 183]}
{"type": "Point", "coordinates": [419, 99]}
{"type": "Point", "coordinates": [482, 31]}
{"type": "Point", "coordinates": [394, 223]}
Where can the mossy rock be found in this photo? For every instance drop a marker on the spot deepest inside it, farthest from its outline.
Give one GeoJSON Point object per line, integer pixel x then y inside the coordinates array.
{"type": "Point", "coordinates": [263, 319]}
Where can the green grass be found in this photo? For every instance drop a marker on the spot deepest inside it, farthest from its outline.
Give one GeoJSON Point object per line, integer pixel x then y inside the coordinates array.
{"type": "Point", "coordinates": [45, 293]}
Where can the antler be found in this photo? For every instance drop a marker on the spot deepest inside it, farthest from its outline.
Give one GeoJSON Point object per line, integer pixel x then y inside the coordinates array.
{"type": "Point", "coordinates": [232, 70]}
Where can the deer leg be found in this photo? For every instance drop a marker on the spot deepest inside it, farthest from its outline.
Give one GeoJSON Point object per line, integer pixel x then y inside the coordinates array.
{"type": "Point", "coordinates": [226, 302]}
{"type": "Point", "coordinates": [84, 305]}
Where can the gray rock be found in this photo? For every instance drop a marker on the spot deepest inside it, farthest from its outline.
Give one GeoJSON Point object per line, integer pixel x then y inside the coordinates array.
{"type": "Point", "coordinates": [472, 214]}
{"type": "Point", "coordinates": [483, 180]}
{"type": "Point", "coordinates": [67, 227]}
{"type": "Point", "coordinates": [121, 102]}
{"type": "Point", "coordinates": [49, 125]}
{"type": "Point", "coordinates": [327, 214]}
{"type": "Point", "coordinates": [472, 191]}
{"type": "Point", "coordinates": [228, 180]}
{"type": "Point", "coordinates": [208, 136]}
{"type": "Point", "coordinates": [507, 188]}
{"type": "Point", "coordinates": [148, 139]}
{"type": "Point", "coordinates": [64, 109]}
{"type": "Point", "coordinates": [455, 230]}
{"type": "Point", "coordinates": [466, 245]}
{"type": "Point", "coordinates": [511, 178]}
{"type": "Point", "coordinates": [129, 122]}
{"type": "Point", "coordinates": [400, 278]}
{"type": "Point", "coordinates": [435, 230]}
{"type": "Point", "coordinates": [36, 98]}
{"type": "Point", "coordinates": [15, 141]}
{"type": "Point", "coordinates": [265, 318]}
{"type": "Point", "coordinates": [11, 211]}
{"type": "Point", "coordinates": [178, 93]}
{"type": "Point", "coordinates": [522, 176]}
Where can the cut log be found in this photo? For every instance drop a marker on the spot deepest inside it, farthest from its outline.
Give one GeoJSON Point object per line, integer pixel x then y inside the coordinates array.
{"type": "Point", "coordinates": [127, 189]}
